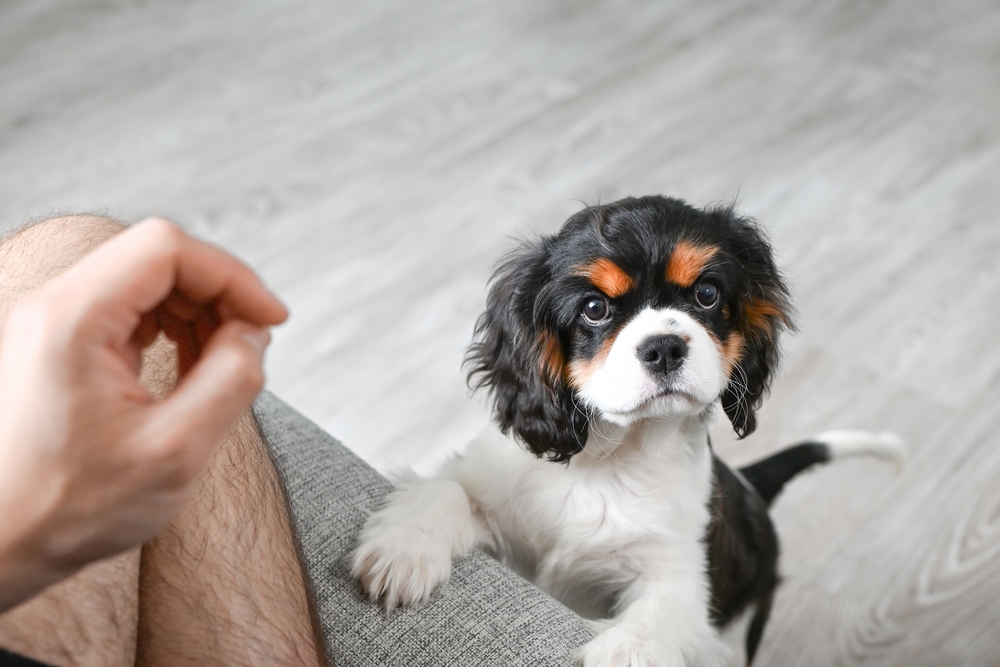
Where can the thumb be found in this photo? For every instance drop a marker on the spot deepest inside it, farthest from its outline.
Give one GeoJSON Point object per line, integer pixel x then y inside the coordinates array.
{"type": "Point", "coordinates": [221, 385]}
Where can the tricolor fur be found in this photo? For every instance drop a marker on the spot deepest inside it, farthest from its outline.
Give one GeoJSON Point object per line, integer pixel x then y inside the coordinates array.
{"type": "Point", "coordinates": [606, 348]}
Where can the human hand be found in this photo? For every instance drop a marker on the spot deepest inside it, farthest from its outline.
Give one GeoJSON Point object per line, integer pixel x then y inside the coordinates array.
{"type": "Point", "coordinates": [91, 463]}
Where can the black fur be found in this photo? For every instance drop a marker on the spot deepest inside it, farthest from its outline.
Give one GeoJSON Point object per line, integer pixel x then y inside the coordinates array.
{"type": "Point", "coordinates": [742, 554]}
{"type": "Point", "coordinates": [506, 357]}
{"type": "Point", "coordinates": [532, 329]}
{"type": "Point", "coordinates": [535, 294]}
{"type": "Point", "coordinates": [742, 543]}
{"type": "Point", "coordinates": [769, 475]}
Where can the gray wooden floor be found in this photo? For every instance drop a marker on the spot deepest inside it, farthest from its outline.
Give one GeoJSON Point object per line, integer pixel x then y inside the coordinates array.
{"type": "Point", "coordinates": [372, 160]}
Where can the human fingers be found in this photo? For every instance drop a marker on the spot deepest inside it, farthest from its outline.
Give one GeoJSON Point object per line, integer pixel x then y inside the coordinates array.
{"type": "Point", "coordinates": [216, 389]}
{"type": "Point", "coordinates": [143, 336]}
{"type": "Point", "coordinates": [182, 333]}
{"type": "Point", "coordinates": [206, 274]}
{"type": "Point", "coordinates": [134, 272]}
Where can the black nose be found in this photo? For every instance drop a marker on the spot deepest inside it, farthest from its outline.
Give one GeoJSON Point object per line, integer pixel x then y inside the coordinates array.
{"type": "Point", "coordinates": [662, 354]}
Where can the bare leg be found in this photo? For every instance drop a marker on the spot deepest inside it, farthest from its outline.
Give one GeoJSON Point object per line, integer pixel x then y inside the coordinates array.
{"type": "Point", "coordinates": [90, 618]}
{"type": "Point", "coordinates": [31, 256]}
{"type": "Point", "coordinates": [222, 584]}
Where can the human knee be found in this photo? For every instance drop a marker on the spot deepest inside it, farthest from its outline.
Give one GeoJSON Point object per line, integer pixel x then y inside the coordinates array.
{"type": "Point", "coordinates": [68, 236]}
{"type": "Point", "coordinates": [32, 255]}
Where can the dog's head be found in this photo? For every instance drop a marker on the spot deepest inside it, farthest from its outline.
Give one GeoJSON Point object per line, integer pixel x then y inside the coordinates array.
{"type": "Point", "coordinates": [643, 308]}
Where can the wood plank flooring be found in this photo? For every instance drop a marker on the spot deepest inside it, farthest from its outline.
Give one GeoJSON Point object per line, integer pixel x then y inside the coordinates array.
{"type": "Point", "coordinates": [373, 160]}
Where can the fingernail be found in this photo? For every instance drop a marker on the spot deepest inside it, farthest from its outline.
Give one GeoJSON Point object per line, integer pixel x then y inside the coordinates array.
{"type": "Point", "coordinates": [259, 338]}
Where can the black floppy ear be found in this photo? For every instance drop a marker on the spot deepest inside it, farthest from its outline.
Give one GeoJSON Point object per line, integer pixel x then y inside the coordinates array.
{"type": "Point", "coordinates": [759, 315]}
{"type": "Point", "coordinates": [517, 353]}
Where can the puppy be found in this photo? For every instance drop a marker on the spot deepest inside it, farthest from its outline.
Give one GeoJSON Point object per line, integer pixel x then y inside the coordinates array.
{"type": "Point", "coordinates": [606, 349]}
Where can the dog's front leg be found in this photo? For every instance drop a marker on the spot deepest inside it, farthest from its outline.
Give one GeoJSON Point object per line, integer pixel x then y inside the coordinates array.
{"type": "Point", "coordinates": [659, 623]}
{"type": "Point", "coordinates": [405, 549]}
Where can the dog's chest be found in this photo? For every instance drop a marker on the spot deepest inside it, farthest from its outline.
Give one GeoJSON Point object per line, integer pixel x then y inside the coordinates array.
{"type": "Point", "coordinates": [611, 520]}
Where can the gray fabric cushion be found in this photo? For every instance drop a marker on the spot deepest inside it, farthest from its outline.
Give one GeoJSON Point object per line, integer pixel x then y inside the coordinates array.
{"type": "Point", "coordinates": [486, 615]}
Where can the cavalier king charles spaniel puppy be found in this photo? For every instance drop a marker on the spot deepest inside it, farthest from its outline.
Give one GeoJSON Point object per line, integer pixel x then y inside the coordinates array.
{"type": "Point", "coordinates": [606, 349]}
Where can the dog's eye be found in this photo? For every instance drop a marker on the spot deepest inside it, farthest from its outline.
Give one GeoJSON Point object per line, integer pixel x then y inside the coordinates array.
{"type": "Point", "coordinates": [596, 310]}
{"type": "Point", "coordinates": [706, 294]}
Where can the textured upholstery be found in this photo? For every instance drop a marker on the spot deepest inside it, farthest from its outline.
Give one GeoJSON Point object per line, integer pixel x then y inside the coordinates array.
{"type": "Point", "coordinates": [484, 616]}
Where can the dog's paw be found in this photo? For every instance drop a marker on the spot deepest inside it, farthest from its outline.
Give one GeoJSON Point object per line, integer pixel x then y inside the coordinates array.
{"type": "Point", "coordinates": [620, 646]}
{"type": "Point", "coordinates": [401, 565]}
{"type": "Point", "coordinates": [404, 552]}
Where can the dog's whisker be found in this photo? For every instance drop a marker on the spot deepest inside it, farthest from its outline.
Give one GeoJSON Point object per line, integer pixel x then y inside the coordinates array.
{"type": "Point", "coordinates": [602, 342]}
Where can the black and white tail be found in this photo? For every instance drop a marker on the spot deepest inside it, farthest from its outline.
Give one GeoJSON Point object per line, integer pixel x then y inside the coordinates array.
{"type": "Point", "coordinates": [769, 475]}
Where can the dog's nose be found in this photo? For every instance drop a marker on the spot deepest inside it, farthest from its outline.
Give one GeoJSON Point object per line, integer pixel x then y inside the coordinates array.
{"type": "Point", "coordinates": [663, 354]}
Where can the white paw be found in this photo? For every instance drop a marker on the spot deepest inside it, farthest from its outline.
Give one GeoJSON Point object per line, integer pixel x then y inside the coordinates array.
{"type": "Point", "coordinates": [402, 565]}
{"type": "Point", "coordinates": [404, 552]}
{"type": "Point", "coordinates": [619, 646]}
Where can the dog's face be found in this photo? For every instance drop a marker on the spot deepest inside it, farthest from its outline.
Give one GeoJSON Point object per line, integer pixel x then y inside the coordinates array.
{"type": "Point", "coordinates": [641, 309]}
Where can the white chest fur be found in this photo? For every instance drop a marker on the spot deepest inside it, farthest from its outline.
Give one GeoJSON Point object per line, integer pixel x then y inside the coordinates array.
{"type": "Point", "coordinates": [634, 501]}
{"type": "Point", "coordinates": [616, 534]}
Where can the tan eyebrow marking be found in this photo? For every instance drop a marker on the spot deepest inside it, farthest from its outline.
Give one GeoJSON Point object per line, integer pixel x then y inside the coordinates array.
{"type": "Point", "coordinates": [687, 262]}
{"type": "Point", "coordinates": [607, 277]}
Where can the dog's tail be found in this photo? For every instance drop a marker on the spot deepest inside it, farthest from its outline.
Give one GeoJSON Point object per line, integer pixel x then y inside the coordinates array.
{"type": "Point", "coordinates": [769, 475]}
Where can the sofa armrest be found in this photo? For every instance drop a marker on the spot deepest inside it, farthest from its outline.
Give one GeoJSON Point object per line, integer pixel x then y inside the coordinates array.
{"type": "Point", "coordinates": [485, 615]}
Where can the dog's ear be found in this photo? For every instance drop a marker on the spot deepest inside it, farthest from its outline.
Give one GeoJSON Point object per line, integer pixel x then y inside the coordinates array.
{"type": "Point", "coordinates": [760, 313]}
{"type": "Point", "coordinates": [518, 354]}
